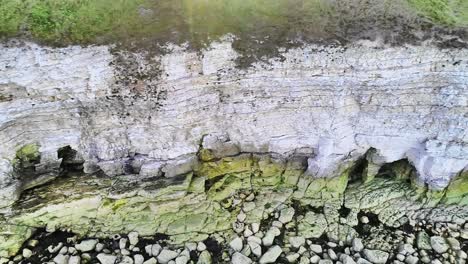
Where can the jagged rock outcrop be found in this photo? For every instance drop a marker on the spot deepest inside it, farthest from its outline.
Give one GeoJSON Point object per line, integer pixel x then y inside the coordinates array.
{"type": "Point", "coordinates": [146, 114]}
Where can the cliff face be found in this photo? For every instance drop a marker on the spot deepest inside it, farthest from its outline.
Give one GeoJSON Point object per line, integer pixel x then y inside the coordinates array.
{"type": "Point", "coordinates": [142, 114]}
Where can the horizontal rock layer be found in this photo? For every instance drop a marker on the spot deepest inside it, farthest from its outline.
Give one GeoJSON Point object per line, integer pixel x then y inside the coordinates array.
{"type": "Point", "coordinates": [137, 113]}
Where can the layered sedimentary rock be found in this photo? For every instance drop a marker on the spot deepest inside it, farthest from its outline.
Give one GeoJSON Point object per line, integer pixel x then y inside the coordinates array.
{"type": "Point", "coordinates": [160, 142]}
{"type": "Point", "coordinates": [124, 112]}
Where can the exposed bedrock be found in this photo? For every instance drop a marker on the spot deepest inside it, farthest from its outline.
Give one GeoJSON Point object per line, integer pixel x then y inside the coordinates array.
{"type": "Point", "coordinates": [154, 115]}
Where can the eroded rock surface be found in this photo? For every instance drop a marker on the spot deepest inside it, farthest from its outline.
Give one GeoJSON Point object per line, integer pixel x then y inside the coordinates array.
{"type": "Point", "coordinates": [358, 152]}
{"type": "Point", "coordinates": [127, 113]}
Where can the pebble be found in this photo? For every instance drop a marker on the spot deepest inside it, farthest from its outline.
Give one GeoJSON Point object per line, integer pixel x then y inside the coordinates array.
{"type": "Point", "coordinates": [364, 219]}
{"type": "Point", "coordinates": [270, 236]}
{"type": "Point", "coordinates": [33, 243]}
{"type": "Point", "coordinates": [454, 243]}
{"type": "Point", "coordinates": [151, 261]}
{"type": "Point", "coordinates": [325, 261]}
{"type": "Point", "coordinates": [357, 245]}
{"type": "Point", "coordinates": [106, 258]}
{"type": "Point", "coordinates": [314, 259]}
{"type": "Point", "coordinates": [376, 256]}
{"type": "Point", "coordinates": [271, 255]}
{"type": "Point", "coordinates": [138, 259]}
{"type": "Point", "coordinates": [204, 258]}
{"type": "Point", "coordinates": [182, 259]}
{"type": "Point", "coordinates": [439, 244]}
{"type": "Point", "coordinates": [86, 245]}
{"type": "Point", "coordinates": [61, 259]}
{"type": "Point", "coordinates": [411, 260]}
{"type": "Point", "coordinates": [126, 260]}
{"type": "Point", "coordinates": [166, 255]}
{"type": "Point", "coordinates": [286, 215]}
{"type": "Point", "coordinates": [293, 257]}
{"type": "Point", "coordinates": [241, 217]}
{"type": "Point", "coordinates": [155, 250]}
{"type": "Point", "coordinates": [255, 247]}
{"type": "Point", "coordinates": [255, 227]}
{"type": "Point", "coordinates": [316, 248]}
{"type": "Point", "coordinates": [345, 259]}
{"type": "Point", "coordinates": [55, 249]}
{"type": "Point", "coordinates": [27, 253]}
{"type": "Point", "coordinates": [74, 260]}
{"type": "Point", "coordinates": [133, 238]}
{"type": "Point", "coordinates": [248, 232]}
{"type": "Point", "coordinates": [201, 246]}
{"type": "Point", "coordinates": [297, 241]}
{"type": "Point", "coordinates": [123, 243]}
{"type": "Point", "coordinates": [236, 244]}
{"type": "Point", "coordinates": [238, 258]}
{"type": "Point", "coordinates": [332, 254]}
{"type": "Point", "coordinates": [423, 241]}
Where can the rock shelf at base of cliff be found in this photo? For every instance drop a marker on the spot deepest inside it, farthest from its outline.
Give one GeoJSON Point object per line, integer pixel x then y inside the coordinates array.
{"type": "Point", "coordinates": [241, 209]}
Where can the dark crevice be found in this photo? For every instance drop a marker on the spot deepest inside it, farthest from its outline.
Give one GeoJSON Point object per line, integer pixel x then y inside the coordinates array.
{"type": "Point", "coordinates": [400, 169]}
{"type": "Point", "coordinates": [357, 170]}
{"type": "Point", "coordinates": [70, 160]}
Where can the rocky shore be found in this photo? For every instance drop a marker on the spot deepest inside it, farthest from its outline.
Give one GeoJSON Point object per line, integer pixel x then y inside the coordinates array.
{"type": "Point", "coordinates": [339, 220]}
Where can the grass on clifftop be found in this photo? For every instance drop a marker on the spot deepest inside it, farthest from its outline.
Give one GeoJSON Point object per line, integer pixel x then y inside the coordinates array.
{"type": "Point", "coordinates": [97, 21]}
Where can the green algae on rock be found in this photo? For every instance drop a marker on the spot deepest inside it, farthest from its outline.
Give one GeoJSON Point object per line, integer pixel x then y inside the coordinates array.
{"type": "Point", "coordinates": [192, 206]}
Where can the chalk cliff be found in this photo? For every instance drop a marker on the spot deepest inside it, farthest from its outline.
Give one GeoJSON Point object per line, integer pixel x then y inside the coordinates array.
{"type": "Point", "coordinates": [149, 114]}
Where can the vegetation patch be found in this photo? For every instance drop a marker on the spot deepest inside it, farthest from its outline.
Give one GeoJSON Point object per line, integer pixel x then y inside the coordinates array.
{"type": "Point", "coordinates": [255, 22]}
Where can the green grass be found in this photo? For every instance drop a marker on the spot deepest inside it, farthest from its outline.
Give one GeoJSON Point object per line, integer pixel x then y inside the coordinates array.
{"type": "Point", "coordinates": [444, 12]}
{"type": "Point", "coordinates": [196, 21]}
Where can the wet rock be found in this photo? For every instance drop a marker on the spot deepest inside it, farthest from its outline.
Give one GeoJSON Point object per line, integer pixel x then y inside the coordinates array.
{"type": "Point", "coordinates": [439, 244]}
{"type": "Point", "coordinates": [271, 255]}
{"type": "Point", "coordinates": [86, 245]}
{"type": "Point", "coordinates": [238, 258]}
{"type": "Point", "coordinates": [376, 256]}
